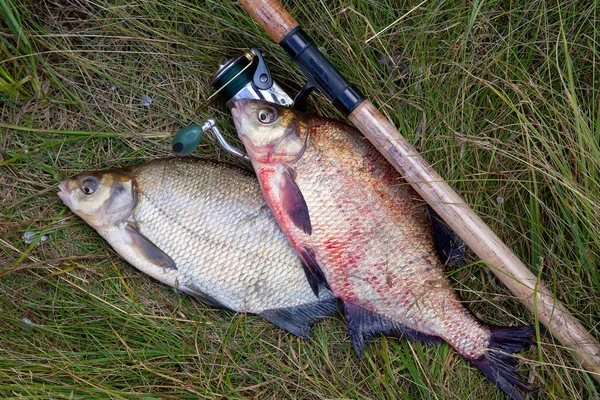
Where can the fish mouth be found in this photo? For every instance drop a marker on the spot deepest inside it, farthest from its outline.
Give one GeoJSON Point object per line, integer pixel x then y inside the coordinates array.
{"type": "Point", "coordinates": [237, 111]}
{"type": "Point", "coordinates": [63, 193]}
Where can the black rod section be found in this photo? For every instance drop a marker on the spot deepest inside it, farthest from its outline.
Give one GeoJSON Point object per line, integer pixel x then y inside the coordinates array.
{"type": "Point", "coordinates": [321, 72]}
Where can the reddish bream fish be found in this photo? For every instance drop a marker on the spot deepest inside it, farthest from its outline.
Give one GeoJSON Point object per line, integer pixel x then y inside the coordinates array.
{"type": "Point", "coordinates": [363, 231]}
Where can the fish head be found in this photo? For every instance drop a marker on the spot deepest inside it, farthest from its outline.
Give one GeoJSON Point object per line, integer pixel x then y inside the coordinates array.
{"type": "Point", "coordinates": [271, 133]}
{"type": "Point", "coordinates": [100, 198]}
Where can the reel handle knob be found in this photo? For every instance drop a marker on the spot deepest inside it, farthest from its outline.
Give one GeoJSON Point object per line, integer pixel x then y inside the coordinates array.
{"type": "Point", "coordinates": [187, 139]}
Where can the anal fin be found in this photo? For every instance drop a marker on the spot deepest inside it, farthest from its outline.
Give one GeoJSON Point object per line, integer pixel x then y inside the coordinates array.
{"type": "Point", "coordinates": [364, 326]}
{"type": "Point", "coordinates": [298, 319]}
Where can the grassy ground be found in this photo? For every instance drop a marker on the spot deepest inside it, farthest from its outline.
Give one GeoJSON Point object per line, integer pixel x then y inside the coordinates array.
{"type": "Point", "coordinates": [501, 96]}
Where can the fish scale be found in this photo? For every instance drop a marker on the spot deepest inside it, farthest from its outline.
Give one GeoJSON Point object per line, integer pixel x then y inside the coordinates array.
{"type": "Point", "coordinates": [363, 231]}
{"type": "Point", "coordinates": [204, 228]}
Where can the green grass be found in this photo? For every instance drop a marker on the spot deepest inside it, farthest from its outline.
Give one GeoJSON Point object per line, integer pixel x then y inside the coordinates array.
{"type": "Point", "coordinates": [500, 96]}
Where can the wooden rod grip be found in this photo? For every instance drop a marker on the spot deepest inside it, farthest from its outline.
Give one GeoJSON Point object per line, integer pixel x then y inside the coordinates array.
{"type": "Point", "coordinates": [478, 236]}
{"type": "Point", "coordinates": [272, 16]}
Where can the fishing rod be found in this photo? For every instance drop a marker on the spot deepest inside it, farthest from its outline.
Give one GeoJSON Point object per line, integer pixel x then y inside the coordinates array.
{"type": "Point", "coordinates": [322, 75]}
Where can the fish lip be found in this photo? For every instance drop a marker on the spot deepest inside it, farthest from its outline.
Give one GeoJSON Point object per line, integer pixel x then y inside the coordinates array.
{"type": "Point", "coordinates": [237, 111]}
{"type": "Point", "coordinates": [238, 108]}
{"type": "Point", "coordinates": [63, 193]}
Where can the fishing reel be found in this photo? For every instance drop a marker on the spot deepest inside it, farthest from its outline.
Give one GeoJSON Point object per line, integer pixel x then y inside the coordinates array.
{"type": "Point", "coordinates": [248, 77]}
{"type": "Point", "coordinates": [243, 77]}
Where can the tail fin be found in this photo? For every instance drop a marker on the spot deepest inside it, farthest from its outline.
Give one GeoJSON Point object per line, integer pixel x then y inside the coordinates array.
{"type": "Point", "coordinates": [497, 363]}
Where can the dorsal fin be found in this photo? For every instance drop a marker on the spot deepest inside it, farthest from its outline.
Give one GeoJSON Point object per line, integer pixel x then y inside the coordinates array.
{"type": "Point", "coordinates": [450, 247]}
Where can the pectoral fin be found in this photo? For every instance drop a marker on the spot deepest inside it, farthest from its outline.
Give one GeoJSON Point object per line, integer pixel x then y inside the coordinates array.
{"type": "Point", "coordinates": [148, 249]}
{"type": "Point", "coordinates": [293, 203]}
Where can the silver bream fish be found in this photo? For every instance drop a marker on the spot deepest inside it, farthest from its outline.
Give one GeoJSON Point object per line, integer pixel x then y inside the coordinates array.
{"type": "Point", "coordinates": [204, 228]}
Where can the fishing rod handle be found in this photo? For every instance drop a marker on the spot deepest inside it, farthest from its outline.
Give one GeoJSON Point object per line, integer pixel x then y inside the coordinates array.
{"type": "Point", "coordinates": [477, 235]}
{"type": "Point", "coordinates": [272, 16]}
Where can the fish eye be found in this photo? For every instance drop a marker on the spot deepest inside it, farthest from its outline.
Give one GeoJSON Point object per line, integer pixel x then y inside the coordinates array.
{"type": "Point", "coordinates": [89, 186]}
{"type": "Point", "coordinates": [267, 115]}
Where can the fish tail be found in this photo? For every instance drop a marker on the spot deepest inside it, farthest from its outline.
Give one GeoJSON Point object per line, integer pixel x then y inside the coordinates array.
{"type": "Point", "coordinates": [498, 363]}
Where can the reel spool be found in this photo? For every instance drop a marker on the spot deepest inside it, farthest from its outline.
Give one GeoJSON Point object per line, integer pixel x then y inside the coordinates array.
{"type": "Point", "coordinates": [243, 77]}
